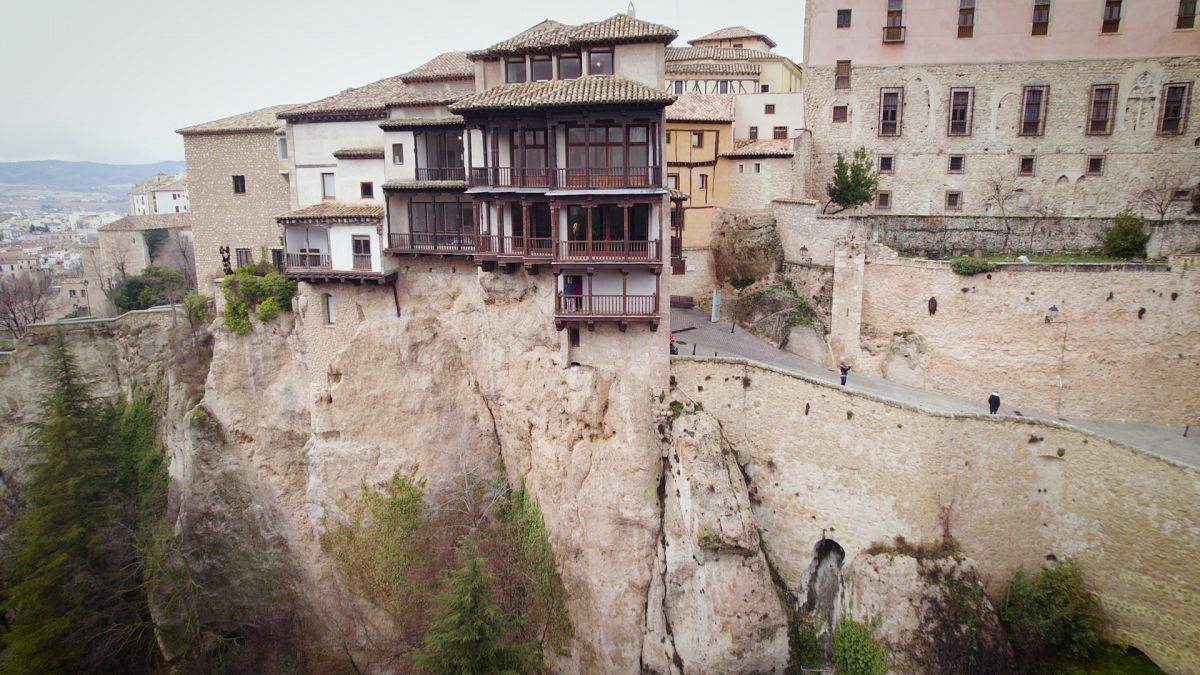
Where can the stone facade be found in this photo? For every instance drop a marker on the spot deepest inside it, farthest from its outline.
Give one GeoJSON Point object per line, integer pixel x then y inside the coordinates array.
{"type": "Point", "coordinates": [824, 462]}
{"type": "Point", "coordinates": [1135, 155]}
{"type": "Point", "coordinates": [222, 217]}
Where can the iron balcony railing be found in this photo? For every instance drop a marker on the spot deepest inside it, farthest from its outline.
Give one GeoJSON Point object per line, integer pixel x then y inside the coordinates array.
{"type": "Point", "coordinates": [433, 242]}
{"type": "Point", "coordinates": [616, 305]}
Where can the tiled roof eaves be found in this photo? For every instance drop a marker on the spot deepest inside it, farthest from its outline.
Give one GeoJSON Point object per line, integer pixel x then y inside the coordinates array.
{"type": "Point", "coordinates": [333, 212]}
{"type": "Point", "coordinates": [751, 153]}
{"type": "Point", "coordinates": [359, 153]}
{"type": "Point", "coordinates": [618, 29]}
{"type": "Point", "coordinates": [560, 94]}
{"type": "Point", "coordinates": [404, 123]}
{"type": "Point", "coordinates": [424, 185]}
{"type": "Point", "coordinates": [342, 115]}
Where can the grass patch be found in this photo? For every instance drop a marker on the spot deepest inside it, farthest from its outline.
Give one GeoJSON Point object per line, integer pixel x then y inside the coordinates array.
{"type": "Point", "coordinates": [1113, 660]}
{"type": "Point", "coordinates": [1057, 259]}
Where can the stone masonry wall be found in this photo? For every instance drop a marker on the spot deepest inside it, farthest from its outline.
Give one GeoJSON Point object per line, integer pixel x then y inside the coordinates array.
{"type": "Point", "coordinates": [219, 216]}
{"type": "Point", "coordinates": [1135, 154]}
{"type": "Point", "coordinates": [1124, 342]}
{"type": "Point", "coordinates": [827, 462]}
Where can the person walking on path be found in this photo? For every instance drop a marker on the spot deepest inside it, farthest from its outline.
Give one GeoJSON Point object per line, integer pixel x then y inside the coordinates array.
{"type": "Point", "coordinates": [845, 370]}
{"type": "Point", "coordinates": [994, 402]}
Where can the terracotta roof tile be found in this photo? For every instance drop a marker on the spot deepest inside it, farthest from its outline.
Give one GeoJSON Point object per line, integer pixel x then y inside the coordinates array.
{"type": "Point", "coordinates": [359, 153]}
{"type": "Point", "coordinates": [333, 211]}
{"type": "Point", "coordinates": [769, 147]}
{"type": "Point", "coordinates": [154, 221]}
{"type": "Point", "coordinates": [719, 54]}
{"type": "Point", "coordinates": [701, 108]}
{"type": "Point", "coordinates": [419, 185]}
{"type": "Point", "coordinates": [447, 66]}
{"type": "Point", "coordinates": [402, 123]}
{"type": "Point", "coordinates": [266, 119]}
{"type": "Point", "coordinates": [360, 102]}
{"type": "Point", "coordinates": [733, 33]}
{"type": "Point", "coordinates": [550, 35]}
{"type": "Point", "coordinates": [564, 94]}
{"type": "Point", "coordinates": [415, 98]}
{"type": "Point", "coordinates": [731, 68]}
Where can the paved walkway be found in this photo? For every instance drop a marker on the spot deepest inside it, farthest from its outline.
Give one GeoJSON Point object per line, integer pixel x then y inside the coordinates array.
{"type": "Point", "coordinates": [715, 339]}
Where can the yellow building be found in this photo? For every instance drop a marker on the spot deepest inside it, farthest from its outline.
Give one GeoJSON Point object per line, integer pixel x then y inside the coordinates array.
{"type": "Point", "coordinates": [699, 132]}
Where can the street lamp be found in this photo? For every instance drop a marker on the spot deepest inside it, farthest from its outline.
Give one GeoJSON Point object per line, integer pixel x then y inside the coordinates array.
{"type": "Point", "coordinates": [89, 298]}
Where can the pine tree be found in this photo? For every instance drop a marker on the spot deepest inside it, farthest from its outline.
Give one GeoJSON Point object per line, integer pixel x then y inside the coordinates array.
{"type": "Point", "coordinates": [854, 183]}
{"type": "Point", "coordinates": [468, 630]}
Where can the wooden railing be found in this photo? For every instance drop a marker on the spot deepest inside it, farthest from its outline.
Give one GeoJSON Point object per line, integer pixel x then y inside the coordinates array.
{"type": "Point", "coordinates": [525, 247]}
{"type": "Point", "coordinates": [441, 173]}
{"type": "Point", "coordinates": [608, 251]}
{"type": "Point", "coordinates": [319, 261]}
{"type": "Point", "coordinates": [893, 33]}
{"type": "Point", "coordinates": [362, 261]}
{"type": "Point", "coordinates": [605, 305]}
{"type": "Point", "coordinates": [585, 177]}
{"type": "Point", "coordinates": [433, 242]}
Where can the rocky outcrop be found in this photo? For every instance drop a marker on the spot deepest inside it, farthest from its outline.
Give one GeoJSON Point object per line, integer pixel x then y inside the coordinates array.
{"type": "Point", "coordinates": [772, 309]}
{"type": "Point", "coordinates": [745, 246]}
{"type": "Point", "coordinates": [933, 613]}
{"type": "Point", "coordinates": [712, 607]}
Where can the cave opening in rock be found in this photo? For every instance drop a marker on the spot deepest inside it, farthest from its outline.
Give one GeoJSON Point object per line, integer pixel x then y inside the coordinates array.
{"type": "Point", "coordinates": [824, 586]}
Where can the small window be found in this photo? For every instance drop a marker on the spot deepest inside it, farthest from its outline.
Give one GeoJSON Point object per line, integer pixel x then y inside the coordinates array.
{"type": "Point", "coordinates": [277, 258]}
{"type": "Point", "coordinates": [840, 113]}
{"type": "Point", "coordinates": [678, 86]}
{"type": "Point", "coordinates": [1112, 17]}
{"type": "Point", "coordinates": [1176, 99]}
{"type": "Point", "coordinates": [739, 45]}
{"type": "Point", "coordinates": [328, 305]}
{"type": "Point", "coordinates": [703, 178]}
{"type": "Point", "coordinates": [757, 167]}
{"type": "Point", "coordinates": [397, 153]}
{"type": "Point", "coordinates": [843, 18]}
{"type": "Point", "coordinates": [779, 133]}
{"type": "Point", "coordinates": [600, 63]}
{"type": "Point", "coordinates": [887, 164]}
{"type": "Point", "coordinates": [958, 164]}
{"type": "Point", "coordinates": [542, 68]}
{"type": "Point", "coordinates": [966, 18]}
{"type": "Point", "coordinates": [72, 292]}
{"type": "Point", "coordinates": [573, 336]}
{"type": "Point", "coordinates": [1027, 165]}
{"type": "Point", "coordinates": [697, 139]}
{"type": "Point", "coordinates": [361, 250]}
{"type": "Point", "coordinates": [1176, 196]}
{"type": "Point", "coordinates": [668, 137]}
{"type": "Point", "coordinates": [673, 181]}
{"type": "Point", "coordinates": [239, 185]}
{"type": "Point", "coordinates": [327, 187]}
{"type": "Point", "coordinates": [281, 147]}
{"type": "Point", "coordinates": [769, 109]}
{"type": "Point", "coordinates": [883, 200]}
{"type": "Point", "coordinates": [894, 30]}
{"type": "Point", "coordinates": [1095, 165]}
{"type": "Point", "coordinates": [514, 70]}
{"type": "Point", "coordinates": [1187, 15]}
{"type": "Point", "coordinates": [891, 102]}
{"type": "Point", "coordinates": [741, 168]}
{"type": "Point", "coordinates": [962, 111]}
{"type": "Point", "coordinates": [953, 200]}
{"type": "Point", "coordinates": [367, 190]}
{"type": "Point", "coordinates": [754, 133]}
{"type": "Point", "coordinates": [1041, 17]}
{"type": "Point", "coordinates": [841, 76]}
{"type": "Point", "coordinates": [570, 67]}
{"type": "Point", "coordinates": [723, 87]}
{"type": "Point", "coordinates": [1033, 111]}
{"type": "Point", "coordinates": [764, 89]}
{"type": "Point", "coordinates": [242, 256]}
{"type": "Point", "coordinates": [1100, 116]}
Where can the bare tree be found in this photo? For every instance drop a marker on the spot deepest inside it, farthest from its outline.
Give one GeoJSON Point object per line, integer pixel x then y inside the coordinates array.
{"type": "Point", "coordinates": [1041, 214]}
{"type": "Point", "coordinates": [186, 257]}
{"type": "Point", "coordinates": [1001, 191]}
{"type": "Point", "coordinates": [24, 299]}
{"type": "Point", "coordinates": [1157, 195]}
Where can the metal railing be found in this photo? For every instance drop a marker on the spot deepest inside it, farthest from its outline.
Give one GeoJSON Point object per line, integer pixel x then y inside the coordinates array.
{"type": "Point", "coordinates": [441, 173]}
{"type": "Point", "coordinates": [312, 261]}
{"type": "Point", "coordinates": [616, 305]}
{"type": "Point", "coordinates": [433, 242]}
{"type": "Point", "coordinates": [608, 251]}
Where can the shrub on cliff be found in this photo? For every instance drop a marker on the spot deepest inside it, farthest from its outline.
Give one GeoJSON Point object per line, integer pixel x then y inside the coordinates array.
{"type": "Point", "coordinates": [153, 286]}
{"type": "Point", "coordinates": [1126, 238]}
{"type": "Point", "coordinates": [854, 183]}
{"type": "Point", "coordinates": [969, 266]}
{"type": "Point", "coordinates": [856, 651]}
{"type": "Point", "coordinates": [258, 289]}
{"type": "Point", "coordinates": [1051, 616]}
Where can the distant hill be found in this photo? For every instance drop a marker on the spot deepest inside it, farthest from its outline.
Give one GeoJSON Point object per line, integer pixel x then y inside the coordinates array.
{"type": "Point", "coordinates": [82, 176]}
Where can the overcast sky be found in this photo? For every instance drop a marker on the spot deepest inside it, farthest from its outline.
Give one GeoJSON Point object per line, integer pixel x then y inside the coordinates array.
{"type": "Point", "coordinates": [110, 80]}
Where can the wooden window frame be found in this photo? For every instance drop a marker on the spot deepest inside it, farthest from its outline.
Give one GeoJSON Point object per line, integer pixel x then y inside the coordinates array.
{"type": "Point", "coordinates": [366, 190]}
{"type": "Point", "coordinates": [1042, 107]}
{"type": "Point", "coordinates": [327, 309]}
{"type": "Point", "coordinates": [508, 75]}
{"type": "Point", "coordinates": [758, 167]}
{"type": "Point", "coordinates": [578, 58]}
{"type": "Point", "coordinates": [966, 10]}
{"type": "Point", "coordinates": [325, 194]}
{"type": "Point", "coordinates": [959, 199]}
{"type": "Point", "coordinates": [543, 59]}
{"type": "Point", "coordinates": [1032, 165]}
{"type": "Point", "coordinates": [841, 76]}
{"type": "Point", "coordinates": [969, 122]}
{"type": "Point", "coordinates": [899, 121]}
{"type": "Point", "coordinates": [1185, 108]}
{"type": "Point", "coordinates": [702, 181]}
{"type": "Point", "coordinates": [847, 14]}
{"type": "Point", "coordinates": [845, 109]}
{"type": "Point", "coordinates": [779, 133]}
{"type": "Point", "coordinates": [1090, 123]}
{"type": "Point", "coordinates": [612, 62]}
{"type": "Point", "coordinates": [397, 153]}
{"type": "Point", "coordinates": [1109, 25]}
{"type": "Point", "coordinates": [1087, 167]}
{"type": "Point", "coordinates": [881, 196]}
{"type": "Point", "coordinates": [962, 164]}
{"type": "Point", "coordinates": [242, 258]}
{"type": "Point", "coordinates": [698, 140]}
{"type": "Point", "coordinates": [769, 109]}
{"type": "Point", "coordinates": [1044, 25]}
{"type": "Point", "coordinates": [891, 168]}
{"type": "Point", "coordinates": [1186, 21]}
{"type": "Point", "coordinates": [673, 178]}
{"type": "Point", "coordinates": [754, 133]}
{"type": "Point", "coordinates": [239, 184]}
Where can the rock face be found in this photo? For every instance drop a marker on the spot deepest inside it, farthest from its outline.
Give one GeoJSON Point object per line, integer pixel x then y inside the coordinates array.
{"type": "Point", "coordinates": [745, 246]}
{"type": "Point", "coordinates": [771, 310]}
{"type": "Point", "coordinates": [712, 607]}
{"type": "Point", "coordinates": [933, 613]}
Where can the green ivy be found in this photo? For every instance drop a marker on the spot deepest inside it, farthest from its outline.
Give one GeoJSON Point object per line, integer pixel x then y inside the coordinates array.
{"type": "Point", "coordinates": [856, 651]}
{"type": "Point", "coordinates": [1051, 616]}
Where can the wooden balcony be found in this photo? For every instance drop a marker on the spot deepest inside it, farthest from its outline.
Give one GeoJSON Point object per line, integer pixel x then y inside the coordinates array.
{"type": "Point", "coordinates": [589, 308]}
{"type": "Point", "coordinates": [362, 262]}
{"type": "Point", "coordinates": [452, 173]}
{"type": "Point", "coordinates": [432, 243]}
{"type": "Point", "coordinates": [568, 178]}
{"type": "Point", "coordinates": [317, 268]}
{"type": "Point", "coordinates": [514, 249]}
{"type": "Point", "coordinates": [607, 252]}
{"type": "Point", "coordinates": [893, 33]}
{"type": "Point", "coordinates": [308, 261]}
